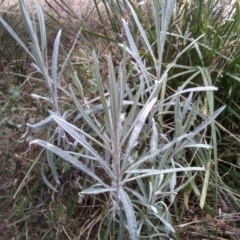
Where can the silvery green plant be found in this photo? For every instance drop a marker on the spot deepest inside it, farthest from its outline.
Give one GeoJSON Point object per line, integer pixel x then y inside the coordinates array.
{"type": "Point", "coordinates": [127, 153]}
{"type": "Point", "coordinates": [38, 51]}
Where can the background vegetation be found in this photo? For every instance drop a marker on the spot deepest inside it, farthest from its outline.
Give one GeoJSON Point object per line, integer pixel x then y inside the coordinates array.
{"type": "Point", "coordinates": [121, 125]}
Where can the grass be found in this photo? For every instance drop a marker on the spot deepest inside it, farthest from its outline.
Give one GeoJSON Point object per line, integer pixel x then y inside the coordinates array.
{"type": "Point", "coordinates": [135, 142]}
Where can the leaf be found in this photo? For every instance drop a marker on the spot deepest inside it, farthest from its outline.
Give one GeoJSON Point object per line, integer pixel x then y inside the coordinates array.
{"type": "Point", "coordinates": [158, 213]}
{"type": "Point", "coordinates": [186, 193]}
{"type": "Point", "coordinates": [131, 118]}
{"type": "Point", "coordinates": [55, 61]}
{"type": "Point", "coordinates": [208, 121]}
{"type": "Point", "coordinates": [142, 32]}
{"type": "Point", "coordinates": [150, 172]}
{"type": "Point", "coordinates": [74, 132]}
{"type": "Point", "coordinates": [93, 190]}
{"type": "Point", "coordinates": [134, 52]}
{"type": "Point", "coordinates": [138, 125]}
{"type": "Point", "coordinates": [38, 126]}
{"type": "Point", "coordinates": [173, 182]}
{"type": "Point", "coordinates": [130, 215]}
{"type": "Point", "coordinates": [154, 139]}
{"type": "Point", "coordinates": [88, 120]}
{"type": "Point", "coordinates": [43, 175]}
{"type": "Point", "coordinates": [67, 157]}
{"type": "Point", "coordinates": [105, 105]}
{"type": "Point", "coordinates": [50, 160]}
{"type": "Point", "coordinates": [187, 105]}
{"type": "Point", "coordinates": [205, 184]}
{"type": "Point", "coordinates": [42, 28]}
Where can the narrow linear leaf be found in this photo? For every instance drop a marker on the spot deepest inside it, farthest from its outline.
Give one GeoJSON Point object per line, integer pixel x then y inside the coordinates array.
{"type": "Point", "coordinates": [50, 160]}
{"type": "Point", "coordinates": [92, 190]}
{"type": "Point", "coordinates": [149, 172]}
{"type": "Point", "coordinates": [55, 60]}
{"type": "Point", "coordinates": [67, 157]}
{"type": "Point", "coordinates": [74, 132]}
{"type": "Point", "coordinates": [140, 28]}
{"type": "Point", "coordinates": [44, 178]}
{"type": "Point", "coordinates": [88, 120]}
{"type": "Point", "coordinates": [139, 122]}
{"type": "Point", "coordinates": [205, 185]}
{"type": "Point", "coordinates": [187, 105]}
{"type": "Point", "coordinates": [130, 215]}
